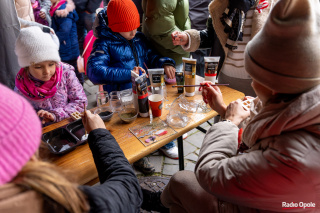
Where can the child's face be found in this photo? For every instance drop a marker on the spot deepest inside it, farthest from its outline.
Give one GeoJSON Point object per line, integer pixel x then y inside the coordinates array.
{"type": "Point", "coordinates": [43, 70]}
{"type": "Point", "coordinates": [129, 35]}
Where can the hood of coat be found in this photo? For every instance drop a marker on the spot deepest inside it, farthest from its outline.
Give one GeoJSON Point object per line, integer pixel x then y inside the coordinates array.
{"type": "Point", "coordinates": [302, 113]}
{"type": "Point", "coordinates": [17, 199]}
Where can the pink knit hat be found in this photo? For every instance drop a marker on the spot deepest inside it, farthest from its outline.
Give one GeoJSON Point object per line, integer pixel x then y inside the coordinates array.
{"type": "Point", "coordinates": [20, 132]}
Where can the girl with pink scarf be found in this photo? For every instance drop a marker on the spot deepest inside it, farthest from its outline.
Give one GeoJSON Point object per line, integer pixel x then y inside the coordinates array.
{"type": "Point", "coordinates": [50, 85]}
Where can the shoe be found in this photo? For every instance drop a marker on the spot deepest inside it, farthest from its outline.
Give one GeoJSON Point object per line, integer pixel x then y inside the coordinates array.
{"type": "Point", "coordinates": [144, 166]}
{"type": "Point", "coordinates": [152, 202]}
{"type": "Point", "coordinates": [185, 135]}
{"type": "Point", "coordinates": [171, 152]}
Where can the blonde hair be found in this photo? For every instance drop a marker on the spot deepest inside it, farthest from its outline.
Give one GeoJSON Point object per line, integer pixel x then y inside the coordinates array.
{"type": "Point", "coordinates": [52, 183]}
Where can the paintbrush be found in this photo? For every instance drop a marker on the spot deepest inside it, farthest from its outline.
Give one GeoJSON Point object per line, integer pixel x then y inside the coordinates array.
{"type": "Point", "coordinates": [145, 65]}
{"type": "Point", "coordinates": [199, 85]}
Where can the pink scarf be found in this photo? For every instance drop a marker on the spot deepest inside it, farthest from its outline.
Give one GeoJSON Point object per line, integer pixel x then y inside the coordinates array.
{"type": "Point", "coordinates": [29, 88]}
{"type": "Point", "coordinates": [54, 8]}
{"type": "Point", "coordinates": [34, 4]}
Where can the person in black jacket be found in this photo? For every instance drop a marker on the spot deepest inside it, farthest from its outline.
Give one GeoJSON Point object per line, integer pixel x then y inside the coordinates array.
{"type": "Point", "coordinates": [28, 184]}
{"type": "Point", "coordinates": [86, 10]}
{"type": "Point", "coordinates": [198, 14]}
{"type": "Point", "coordinates": [119, 190]}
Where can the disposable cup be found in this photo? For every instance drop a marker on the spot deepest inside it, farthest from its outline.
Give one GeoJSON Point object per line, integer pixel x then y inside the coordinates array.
{"type": "Point", "coordinates": [156, 102]}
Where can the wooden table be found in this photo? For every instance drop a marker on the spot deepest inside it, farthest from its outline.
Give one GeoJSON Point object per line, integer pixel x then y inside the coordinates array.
{"type": "Point", "coordinates": [80, 161]}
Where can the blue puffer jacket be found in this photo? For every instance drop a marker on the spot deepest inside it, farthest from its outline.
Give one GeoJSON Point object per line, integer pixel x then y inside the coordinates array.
{"type": "Point", "coordinates": [113, 57]}
{"type": "Point", "coordinates": [66, 30]}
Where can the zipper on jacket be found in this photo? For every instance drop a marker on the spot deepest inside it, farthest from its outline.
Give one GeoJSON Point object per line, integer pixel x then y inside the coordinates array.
{"type": "Point", "coordinates": [134, 52]}
{"type": "Point", "coordinates": [132, 48]}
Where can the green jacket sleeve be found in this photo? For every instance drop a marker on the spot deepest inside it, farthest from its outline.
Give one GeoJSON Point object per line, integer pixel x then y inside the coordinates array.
{"type": "Point", "coordinates": [162, 18]}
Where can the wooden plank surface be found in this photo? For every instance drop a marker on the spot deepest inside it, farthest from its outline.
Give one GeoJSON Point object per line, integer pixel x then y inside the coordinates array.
{"type": "Point", "coordinates": [80, 161]}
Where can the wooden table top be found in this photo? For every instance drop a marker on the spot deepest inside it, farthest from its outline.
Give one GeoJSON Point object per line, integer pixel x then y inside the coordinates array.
{"type": "Point", "coordinates": [80, 161]}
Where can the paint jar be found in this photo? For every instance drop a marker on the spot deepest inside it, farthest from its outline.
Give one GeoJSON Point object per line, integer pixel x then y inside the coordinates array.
{"type": "Point", "coordinates": [189, 68]}
{"type": "Point", "coordinates": [180, 81]}
{"type": "Point", "coordinates": [157, 80]}
{"type": "Point", "coordinates": [142, 91]}
{"type": "Point", "coordinates": [211, 68]}
{"type": "Point", "coordinates": [134, 90]}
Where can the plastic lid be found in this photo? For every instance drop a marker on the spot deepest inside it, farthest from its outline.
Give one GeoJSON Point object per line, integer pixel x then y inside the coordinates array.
{"type": "Point", "coordinates": [190, 94]}
{"type": "Point", "coordinates": [144, 115]}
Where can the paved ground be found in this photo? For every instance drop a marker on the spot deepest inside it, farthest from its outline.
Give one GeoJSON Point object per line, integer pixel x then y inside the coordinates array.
{"type": "Point", "coordinates": [164, 166]}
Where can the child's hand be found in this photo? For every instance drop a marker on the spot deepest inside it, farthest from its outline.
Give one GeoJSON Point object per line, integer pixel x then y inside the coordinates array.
{"type": "Point", "coordinates": [62, 13]}
{"type": "Point", "coordinates": [92, 121]}
{"type": "Point", "coordinates": [46, 116]}
{"type": "Point", "coordinates": [136, 70]}
{"type": "Point", "coordinates": [236, 113]}
{"type": "Point", "coordinates": [212, 95]}
{"type": "Point", "coordinates": [169, 71]}
{"type": "Point", "coordinates": [180, 38]}
{"type": "Point", "coordinates": [42, 15]}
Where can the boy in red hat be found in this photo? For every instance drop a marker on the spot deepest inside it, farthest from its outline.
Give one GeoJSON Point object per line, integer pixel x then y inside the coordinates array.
{"type": "Point", "coordinates": [118, 50]}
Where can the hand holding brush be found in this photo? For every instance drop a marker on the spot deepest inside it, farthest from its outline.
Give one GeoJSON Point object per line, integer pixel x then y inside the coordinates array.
{"type": "Point", "coordinates": [91, 121]}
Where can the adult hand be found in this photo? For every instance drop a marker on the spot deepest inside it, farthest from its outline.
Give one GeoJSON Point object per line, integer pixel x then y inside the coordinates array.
{"type": "Point", "coordinates": [236, 113]}
{"type": "Point", "coordinates": [92, 121]}
{"type": "Point", "coordinates": [46, 116]}
{"type": "Point", "coordinates": [42, 15]}
{"type": "Point", "coordinates": [212, 95]}
{"type": "Point", "coordinates": [169, 71]}
{"type": "Point", "coordinates": [180, 38]}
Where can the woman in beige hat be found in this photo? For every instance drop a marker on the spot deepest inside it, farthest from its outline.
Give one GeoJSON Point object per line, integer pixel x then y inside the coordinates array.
{"type": "Point", "coordinates": [278, 170]}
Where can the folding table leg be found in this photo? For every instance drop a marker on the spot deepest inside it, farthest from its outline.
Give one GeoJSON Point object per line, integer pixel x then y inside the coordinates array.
{"type": "Point", "coordinates": [180, 153]}
{"type": "Point", "coordinates": [201, 129]}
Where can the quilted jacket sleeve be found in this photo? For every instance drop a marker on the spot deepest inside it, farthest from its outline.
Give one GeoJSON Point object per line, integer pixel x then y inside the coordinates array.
{"type": "Point", "coordinates": [99, 70]}
{"type": "Point", "coordinates": [76, 96]}
{"type": "Point", "coordinates": [154, 60]}
{"type": "Point", "coordinates": [119, 190]}
{"type": "Point", "coordinates": [65, 26]}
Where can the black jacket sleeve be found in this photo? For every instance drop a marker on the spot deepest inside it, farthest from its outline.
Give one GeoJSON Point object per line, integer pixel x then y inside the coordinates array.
{"type": "Point", "coordinates": [119, 190]}
{"type": "Point", "coordinates": [92, 5]}
{"type": "Point", "coordinates": [207, 36]}
{"type": "Point", "coordinates": [87, 5]}
{"type": "Point", "coordinates": [209, 39]}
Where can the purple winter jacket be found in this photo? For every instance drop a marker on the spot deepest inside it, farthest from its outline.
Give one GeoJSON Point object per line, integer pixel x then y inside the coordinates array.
{"type": "Point", "coordinates": [69, 97]}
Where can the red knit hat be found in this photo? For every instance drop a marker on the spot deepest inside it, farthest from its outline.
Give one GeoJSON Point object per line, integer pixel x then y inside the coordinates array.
{"type": "Point", "coordinates": [123, 16]}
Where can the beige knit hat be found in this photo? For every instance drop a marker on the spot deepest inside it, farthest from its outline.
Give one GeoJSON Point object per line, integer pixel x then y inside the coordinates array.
{"type": "Point", "coordinates": [285, 55]}
{"type": "Point", "coordinates": [35, 46]}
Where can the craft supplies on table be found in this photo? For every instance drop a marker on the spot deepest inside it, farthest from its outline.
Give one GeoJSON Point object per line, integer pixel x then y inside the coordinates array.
{"type": "Point", "coordinates": [149, 133]}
